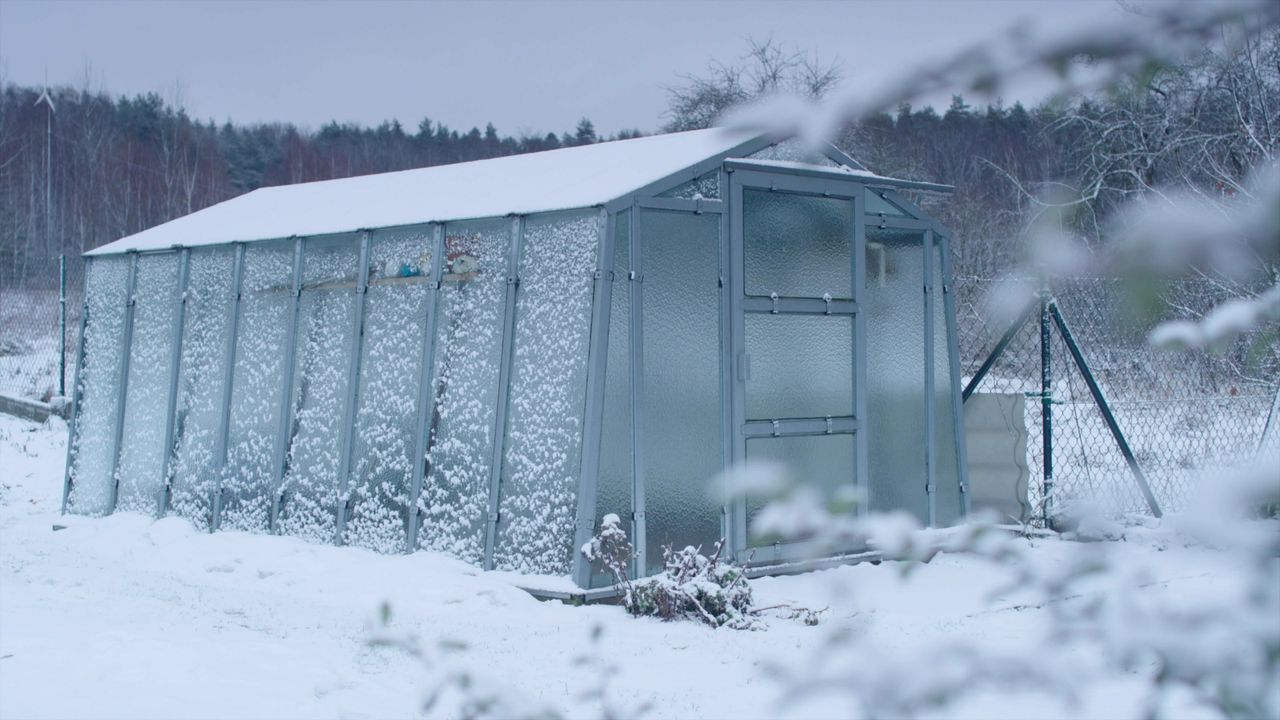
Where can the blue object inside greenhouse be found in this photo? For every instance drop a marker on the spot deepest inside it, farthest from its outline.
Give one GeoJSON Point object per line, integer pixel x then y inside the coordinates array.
{"type": "Point", "coordinates": [490, 389]}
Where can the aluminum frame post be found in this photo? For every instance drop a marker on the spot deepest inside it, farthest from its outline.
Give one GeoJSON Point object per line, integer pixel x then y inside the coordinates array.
{"type": "Point", "coordinates": [1046, 406]}
{"type": "Point", "coordinates": [930, 446]}
{"type": "Point", "coordinates": [1100, 399]}
{"type": "Point", "coordinates": [953, 353]}
{"type": "Point", "coordinates": [281, 450]}
{"type": "Point", "coordinates": [175, 369]}
{"type": "Point", "coordinates": [861, 467]}
{"type": "Point", "coordinates": [347, 435]}
{"type": "Point", "coordinates": [74, 419]}
{"type": "Point", "coordinates": [597, 367]}
{"type": "Point", "coordinates": [123, 375]}
{"type": "Point", "coordinates": [729, 525]}
{"type": "Point", "coordinates": [635, 282]}
{"type": "Point", "coordinates": [504, 388]}
{"type": "Point", "coordinates": [228, 379]}
{"type": "Point", "coordinates": [426, 395]}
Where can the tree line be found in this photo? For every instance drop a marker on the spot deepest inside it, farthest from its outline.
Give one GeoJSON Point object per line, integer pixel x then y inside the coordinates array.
{"type": "Point", "coordinates": [122, 164]}
{"type": "Point", "coordinates": [118, 165]}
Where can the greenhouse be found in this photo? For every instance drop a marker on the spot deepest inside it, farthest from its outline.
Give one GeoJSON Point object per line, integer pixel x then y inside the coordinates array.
{"type": "Point", "coordinates": [484, 359]}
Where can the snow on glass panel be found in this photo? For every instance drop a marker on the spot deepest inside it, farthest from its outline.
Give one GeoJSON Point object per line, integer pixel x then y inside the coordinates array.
{"type": "Point", "coordinates": [202, 371]}
{"type": "Point", "coordinates": [681, 403]}
{"type": "Point", "coordinates": [547, 395]}
{"type": "Point", "coordinates": [614, 486]}
{"type": "Point", "coordinates": [140, 472]}
{"type": "Point", "coordinates": [383, 449]}
{"type": "Point", "coordinates": [705, 186]}
{"type": "Point", "coordinates": [895, 370]}
{"type": "Point", "coordinates": [308, 495]}
{"type": "Point", "coordinates": [793, 150]}
{"type": "Point", "coordinates": [92, 459]}
{"type": "Point", "coordinates": [257, 386]}
{"type": "Point", "coordinates": [463, 404]}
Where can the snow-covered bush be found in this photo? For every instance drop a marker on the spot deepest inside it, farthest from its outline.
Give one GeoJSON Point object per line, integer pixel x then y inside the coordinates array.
{"type": "Point", "coordinates": [693, 586]}
{"type": "Point", "coordinates": [611, 549]}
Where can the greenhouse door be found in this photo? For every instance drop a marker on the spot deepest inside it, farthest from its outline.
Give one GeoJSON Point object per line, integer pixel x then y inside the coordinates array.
{"type": "Point", "coordinates": [794, 340]}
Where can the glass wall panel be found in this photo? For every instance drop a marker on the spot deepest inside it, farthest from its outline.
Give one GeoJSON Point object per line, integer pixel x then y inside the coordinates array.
{"type": "Point", "coordinates": [822, 462]}
{"type": "Point", "coordinates": [454, 503]}
{"type": "Point", "coordinates": [395, 316]}
{"type": "Point", "coordinates": [797, 245]}
{"type": "Point", "coordinates": [538, 495]}
{"type": "Point", "coordinates": [257, 385]}
{"type": "Point", "coordinates": [681, 402]}
{"type": "Point", "coordinates": [704, 186]}
{"type": "Point", "coordinates": [201, 381]}
{"type": "Point", "coordinates": [894, 309]}
{"type": "Point", "coordinates": [146, 409]}
{"type": "Point", "coordinates": [92, 461]}
{"type": "Point", "coordinates": [793, 150]}
{"type": "Point", "coordinates": [947, 470]}
{"type": "Point", "coordinates": [800, 366]}
{"type": "Point", "coordinates": [613, 491]}
{"type": "Point", "coordinates": [322, 360]}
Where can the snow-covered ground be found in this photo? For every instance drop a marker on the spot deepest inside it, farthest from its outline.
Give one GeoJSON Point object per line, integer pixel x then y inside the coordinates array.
{"type": "Point", "coordinates": [130, 617]}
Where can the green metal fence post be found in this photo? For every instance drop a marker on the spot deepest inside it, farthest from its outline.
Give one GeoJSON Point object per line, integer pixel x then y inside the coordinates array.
{"type": "Point", "coordinates": [1105, 408]}
{"type": "Point", "coordinates": [1046, 404]}
{"type": "Point", "coordinates": [62, 326]}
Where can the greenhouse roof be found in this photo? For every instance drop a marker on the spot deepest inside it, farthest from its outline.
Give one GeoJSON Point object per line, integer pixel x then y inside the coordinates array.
{"type": "Point", "coordinates": [517, 184]}
{"type": "Point", "coordinates": [568, 178]}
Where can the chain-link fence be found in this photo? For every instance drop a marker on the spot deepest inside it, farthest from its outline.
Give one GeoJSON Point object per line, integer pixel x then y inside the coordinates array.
{"type": "Point", "coordinates": [1180, 412]}
{"type": "Point", "coordinates": [33, 329]}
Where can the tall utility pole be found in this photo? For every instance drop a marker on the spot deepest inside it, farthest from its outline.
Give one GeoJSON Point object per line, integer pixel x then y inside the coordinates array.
{"type": "Point", "coordinates": [48, 170]}
{"type": "Point", "coordinates": [47, 99]}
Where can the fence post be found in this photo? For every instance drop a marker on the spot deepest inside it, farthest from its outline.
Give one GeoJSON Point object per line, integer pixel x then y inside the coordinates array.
{"type": "Point", "coordinates": [62, 325]}
{"type": "Point", "coordinates": [1046, 403]}
{"type": "Point", "coordinates": [1112, 425]}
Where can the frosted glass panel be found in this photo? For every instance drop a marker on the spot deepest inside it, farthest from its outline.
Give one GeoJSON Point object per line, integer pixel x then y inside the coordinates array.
{"type": "Point", "coordinates": [92, 461]}
{"type": "Point", "coordinates": [797, 245]}
{"type": "Point", "coordinates": [454, 503]}
{"type": "Point", "coordinates": [681, 403]}
{"type": "Point", "coordinates": [947, 470]}
{"type": "Point", "coordinates": [257, 386]}
{"type": "Point", "coordinates": [201, 381]}
{"type": "Point", "coordinates": [613, 492]}
{"type": "Point", "coordinates": [704, 186]}
{"type": "Point", "coordinates": [895, 371]}
{"type": "Point", "coordinates": [793, 150]}
{"type": "Point", "coordinates": [140, 473]}
{"type": "Point", "coordinates": [800, 366]}
{"type": "Point", "coordinates": [544, 427]}
{"type": "Point", "coordinates": [395, 316]}
{"type": "Point", "coordinates": [322, 358]}
{"type": "Point", "coordinates": [824, 462]}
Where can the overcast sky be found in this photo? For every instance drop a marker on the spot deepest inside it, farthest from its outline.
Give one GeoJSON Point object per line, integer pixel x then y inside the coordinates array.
{"type": "Point", "coordinates": [525, 66]}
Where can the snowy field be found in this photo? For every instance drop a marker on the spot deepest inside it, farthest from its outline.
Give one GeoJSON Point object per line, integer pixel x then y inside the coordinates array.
{"type": "Point", "coordinates": [129, 617]}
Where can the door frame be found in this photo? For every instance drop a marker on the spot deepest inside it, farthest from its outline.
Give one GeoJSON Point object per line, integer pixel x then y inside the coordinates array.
{"type": "Point", "coordinates": [738, 427]}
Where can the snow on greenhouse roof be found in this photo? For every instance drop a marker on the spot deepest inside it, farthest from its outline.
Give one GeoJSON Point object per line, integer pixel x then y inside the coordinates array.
{"type": "Point", "coordinates": [518, 184]}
